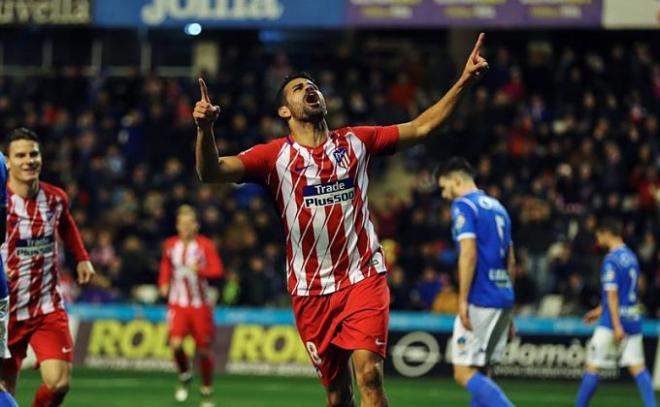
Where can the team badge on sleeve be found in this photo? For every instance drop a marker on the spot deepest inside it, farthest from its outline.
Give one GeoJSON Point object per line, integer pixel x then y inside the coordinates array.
{"type": "Point", "coordinates": [460, 221]}
{"type": "Point", "coordinates": [609, 276]}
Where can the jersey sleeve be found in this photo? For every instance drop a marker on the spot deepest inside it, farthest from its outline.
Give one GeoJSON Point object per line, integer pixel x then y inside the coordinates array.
{"type": "Point", "coordinates": [463, 221]}
{"type": "Point", "coordinates": [3, 181]}
{"type": "Point", "coordinates": [214, 268]}
{"type": "Point", "coordinates": [380, 140]}
{"type": "Point", "coordinates": [165, 273]}
{"type": "Point", "coordinates": [70, 234]}
{"type": "Point", "coordinates": [257, 162]}
{"type": "Point", "coordinates": [608, 275]}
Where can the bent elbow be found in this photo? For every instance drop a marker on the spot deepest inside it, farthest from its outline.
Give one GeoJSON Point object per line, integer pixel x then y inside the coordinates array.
{"type": "Point", "coordinates": [204, 176]}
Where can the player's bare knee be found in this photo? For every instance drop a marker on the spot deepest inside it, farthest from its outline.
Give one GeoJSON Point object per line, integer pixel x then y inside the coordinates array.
{"type": "Point", "coordinates": [636, 369]}
{"type": "Point", "coordinates": [462, 375]}
{"type": "Point", "coordinates": [176, 343]}
{"type": "Point", "coordinates": [370, 378]}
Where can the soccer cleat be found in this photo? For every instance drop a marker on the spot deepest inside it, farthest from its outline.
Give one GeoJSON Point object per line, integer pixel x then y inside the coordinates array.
{"type": "Point", "coordinates": [181, 393]}
{"type": "Point", "coordinates": [207, 397]}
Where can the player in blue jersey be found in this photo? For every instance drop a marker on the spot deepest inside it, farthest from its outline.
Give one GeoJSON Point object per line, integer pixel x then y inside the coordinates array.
{"type": "Point", "coordinates": [482, 230]}
{"type": "Point", "coordinates": [6, 400]}
{"type": "Point", "coordinates": [618, 335]}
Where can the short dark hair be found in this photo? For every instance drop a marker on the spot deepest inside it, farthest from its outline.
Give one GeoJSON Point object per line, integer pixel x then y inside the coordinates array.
{"type": "Point", "coordinates": [611, 225]}
{"type": "Point", "coordinates": [454, 164]}
{"type": "Point", "coordinates": [279, 97]}
{"type": "Point", "coordinates": [21, 133]}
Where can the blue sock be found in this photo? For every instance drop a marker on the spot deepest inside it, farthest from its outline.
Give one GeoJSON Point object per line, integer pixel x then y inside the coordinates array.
{"type": "Point", "coordinates": [645, 387]}
{"type": "Point", "coordinates": [486, 393]}
{"type": "Point", "coordinates": [587, 389]}
{"type": "Point", "coordinates": [6, 400]}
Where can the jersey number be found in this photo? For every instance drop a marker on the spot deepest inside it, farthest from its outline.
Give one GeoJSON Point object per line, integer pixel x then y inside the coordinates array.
{"type": "Point", "coordinates": [500, 226]}
{"type": "Point", "coordinates": [632, 295]}
{"type": "Point", "coordinates": [313, 353]}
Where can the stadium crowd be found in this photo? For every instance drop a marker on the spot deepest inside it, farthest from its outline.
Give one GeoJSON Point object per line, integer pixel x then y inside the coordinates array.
{"type": "Point", "coordinates": [559, 139]}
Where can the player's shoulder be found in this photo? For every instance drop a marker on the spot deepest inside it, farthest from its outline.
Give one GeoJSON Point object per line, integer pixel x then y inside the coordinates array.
{"type": "Point", "coordinates": [625, 257]}
{"type": "Point", "coordinates": [465, 203]}
{"type": "Point", "coordinates": [53, 191]}
{"type": "Point", "coordinates": [170, 241]}
{"type": "Point", "coordinates": [203, 240]}
{"type": "Point", "coordinates": [269, 147]}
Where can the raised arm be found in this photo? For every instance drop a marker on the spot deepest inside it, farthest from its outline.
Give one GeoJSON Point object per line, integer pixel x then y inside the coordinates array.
{"type": "Point", "coordinates": [416, 130]}
{"type": "Point", "coordinates": [210, 167]}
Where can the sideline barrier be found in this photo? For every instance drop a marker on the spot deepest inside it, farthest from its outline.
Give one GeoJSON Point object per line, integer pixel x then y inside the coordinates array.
{"type": "Point", "coordinates": [266, 342]}
{"type": "Point", "coordinates": [282, 14]}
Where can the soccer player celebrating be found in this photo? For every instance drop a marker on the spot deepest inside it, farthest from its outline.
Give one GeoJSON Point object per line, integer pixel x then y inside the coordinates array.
{"type": "Point", "coordinates": [618, 336]}
{"type": "Point", "coordinates": [189, 259]}
{"type": "Point", "coordinates": [482, 230]}
{"type": "Point", "coordinates": [37, 212]}
{"type": "Point", "coordinates": [335, 266]}
{"type": "Point", "coordinates": [6, 400]}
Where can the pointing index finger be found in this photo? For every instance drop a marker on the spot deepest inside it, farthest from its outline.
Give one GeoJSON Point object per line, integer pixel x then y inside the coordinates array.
{"type": "Point", "coordinates": [478, 44]}
{"type": "Point", "coordinates": [204, 91]}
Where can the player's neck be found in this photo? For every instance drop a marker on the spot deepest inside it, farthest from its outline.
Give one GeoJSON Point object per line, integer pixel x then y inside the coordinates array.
{"type": "Point", "coordinates": [616, 243]}
{"type": "Point", "coordinates": [187, 239]}
{"type": "Point", "coordinates": [468, 189]}
{"type": "Point", "coordinates": [25, 190]}
{"type": "Point", "coordinates": [309, 134]}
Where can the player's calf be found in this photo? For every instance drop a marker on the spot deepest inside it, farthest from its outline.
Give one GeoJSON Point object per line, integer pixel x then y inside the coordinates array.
{"type": "Point", "coordinates": [340, 391]}
{"type": "Point", "coordinates": [369, 375]}
{"type": "Point", "coordinates": [644, 384]}
{"type": "Point", "coordinates": [56, 375]}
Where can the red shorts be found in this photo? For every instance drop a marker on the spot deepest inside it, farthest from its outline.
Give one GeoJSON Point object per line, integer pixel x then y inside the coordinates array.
{"type": "Point", "coordinates": [333, 326]}
{"type": "Point", "coordinates": [48, 334]}
{"type": "Point", "coordinates": [197, 322]}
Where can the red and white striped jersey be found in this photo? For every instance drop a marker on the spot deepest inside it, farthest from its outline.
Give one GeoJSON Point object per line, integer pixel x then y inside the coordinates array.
{"type": "Point", "coordinates": [30, 251]}
{"type": "Point", "coordinates": [185, 267]}
{"type": "Point", "coordinates": [321, 194]}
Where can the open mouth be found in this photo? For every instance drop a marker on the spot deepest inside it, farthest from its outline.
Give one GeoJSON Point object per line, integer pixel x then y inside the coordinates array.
{"type": "Point", "coordinates": [312, 99]}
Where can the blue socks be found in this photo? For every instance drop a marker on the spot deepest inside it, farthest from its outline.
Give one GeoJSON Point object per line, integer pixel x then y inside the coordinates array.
{"type": "Point", "coordinates": [645, 386]}
{"type": "Point", "coordinates": [6, 400]}
{"type": "Point", "coordinates": [485, 392]}
{"type": "Point", "coordinates": [590, 382]}
{"type": "Point", "coordinates": [587, 389]}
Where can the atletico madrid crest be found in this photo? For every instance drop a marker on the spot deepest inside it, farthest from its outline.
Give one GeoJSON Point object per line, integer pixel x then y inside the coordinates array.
{"type": "Point", "coordinates": [341, 157]}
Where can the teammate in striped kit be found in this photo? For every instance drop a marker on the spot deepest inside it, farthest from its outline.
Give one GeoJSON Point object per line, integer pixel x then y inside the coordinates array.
{"type": "Point", "coordinates": [189, 259]}
{"type": "Point", "coordinates": [37, 213]}
{"type": "Point", "coordinates": [335, 266]}
{"type": "Point", "coordinates": [6, 400]}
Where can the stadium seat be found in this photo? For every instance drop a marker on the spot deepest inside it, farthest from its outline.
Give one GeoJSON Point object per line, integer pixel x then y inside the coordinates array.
{"type": "Point", "coordinates": [550, 306]}
{"type": "Point", "coordinates": [145, 293]}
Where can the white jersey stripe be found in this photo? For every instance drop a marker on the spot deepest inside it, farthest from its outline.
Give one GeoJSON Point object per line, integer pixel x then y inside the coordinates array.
{"type": "Point", "coordinates": [355, 273]}
{"type": "Point", "coordinates": [46, 300]}
{"type": "Point", "coordinates": [24, 265]}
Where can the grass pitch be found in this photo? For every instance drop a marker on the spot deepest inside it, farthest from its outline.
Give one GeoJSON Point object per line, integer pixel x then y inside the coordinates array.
{"type": "Point", "coordinates": [104, 388]}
